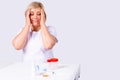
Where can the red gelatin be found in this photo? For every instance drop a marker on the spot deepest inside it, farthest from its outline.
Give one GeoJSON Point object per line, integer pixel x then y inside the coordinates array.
{"type": "Point", "coordinates": [52, 60]}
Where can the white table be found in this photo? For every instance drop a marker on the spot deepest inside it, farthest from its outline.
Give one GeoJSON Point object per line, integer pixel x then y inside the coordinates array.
{"type": "Point", "coordinates": [21, 71]}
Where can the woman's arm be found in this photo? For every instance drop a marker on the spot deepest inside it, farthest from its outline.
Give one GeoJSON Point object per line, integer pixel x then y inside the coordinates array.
{"type": "Point", "coordinates": [20, 40]}
{"type": "Point", "coordinates": [48, 39]}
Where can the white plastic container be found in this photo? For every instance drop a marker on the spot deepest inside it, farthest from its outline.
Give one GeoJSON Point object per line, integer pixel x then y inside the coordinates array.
{"type": "Point", "coordinates": [53, 63]}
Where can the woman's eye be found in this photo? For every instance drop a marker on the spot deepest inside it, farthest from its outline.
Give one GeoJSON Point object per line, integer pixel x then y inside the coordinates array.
{"type": "Point", "coordinates": [31, 14]}
{"type": "Point", "coordinates": [39, 14]}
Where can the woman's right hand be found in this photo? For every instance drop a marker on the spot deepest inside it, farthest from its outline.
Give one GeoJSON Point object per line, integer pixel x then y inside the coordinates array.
{"type": "Point", "coordinates": [28, 22]}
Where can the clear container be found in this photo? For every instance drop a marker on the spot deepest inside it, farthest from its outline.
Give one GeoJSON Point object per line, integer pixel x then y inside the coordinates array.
{"type": "Point", "coordinates": [38, 66]}
{"type": "Point", "coordinates": [39, 69]}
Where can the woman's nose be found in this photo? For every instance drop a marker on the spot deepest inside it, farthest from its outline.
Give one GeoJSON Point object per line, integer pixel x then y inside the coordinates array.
{"type": "Point", "coordinates": [35, 16]}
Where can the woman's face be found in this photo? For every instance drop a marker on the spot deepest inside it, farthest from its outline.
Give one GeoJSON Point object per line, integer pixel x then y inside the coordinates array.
{"type": "Point", "coordinates": [35, 16]}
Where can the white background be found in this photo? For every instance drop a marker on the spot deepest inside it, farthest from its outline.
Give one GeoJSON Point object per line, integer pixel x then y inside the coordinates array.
{"type": "Point", "coordinates": [88, 33]}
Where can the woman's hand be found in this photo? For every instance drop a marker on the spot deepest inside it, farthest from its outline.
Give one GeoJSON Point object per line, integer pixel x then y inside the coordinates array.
{"type": "Point", "coordinates": [42, 21]}
{"type": "Point", "coordinates": [28, 22]}
{"type": "Point", "coordinates": [20, 41]}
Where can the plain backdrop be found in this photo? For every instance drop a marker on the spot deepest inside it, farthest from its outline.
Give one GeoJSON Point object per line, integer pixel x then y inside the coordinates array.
{"type": "Point", "coordinates": [88, 32]}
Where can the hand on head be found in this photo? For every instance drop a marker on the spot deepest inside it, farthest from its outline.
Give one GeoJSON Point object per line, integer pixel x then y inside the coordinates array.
{"type": "Point", "coordinates": [42, 21]}
{"type": "Point", "coordinates": [28, 22]}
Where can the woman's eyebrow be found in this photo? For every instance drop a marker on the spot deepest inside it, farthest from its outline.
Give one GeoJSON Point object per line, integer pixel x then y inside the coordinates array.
{"type": "Point", "coordinates": [31, 12]}
{"type": "Point", "coordinates": [38, 11]}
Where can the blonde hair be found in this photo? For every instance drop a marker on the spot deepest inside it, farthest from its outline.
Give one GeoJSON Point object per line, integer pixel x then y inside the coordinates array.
{"type": "Point", "coordinates": [36, 5]}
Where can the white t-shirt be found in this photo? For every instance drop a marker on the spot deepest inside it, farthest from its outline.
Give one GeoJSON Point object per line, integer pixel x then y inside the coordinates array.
{"type": "Point", "coordinates": [34, 48]}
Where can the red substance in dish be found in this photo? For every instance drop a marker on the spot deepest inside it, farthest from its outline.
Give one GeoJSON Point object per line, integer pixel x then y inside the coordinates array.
{"type": "Point", "coordinates": [52, 60]}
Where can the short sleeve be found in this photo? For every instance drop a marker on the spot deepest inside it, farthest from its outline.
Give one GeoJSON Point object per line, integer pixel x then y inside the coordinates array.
{"type": "Point", "coordinates": [52, 31]}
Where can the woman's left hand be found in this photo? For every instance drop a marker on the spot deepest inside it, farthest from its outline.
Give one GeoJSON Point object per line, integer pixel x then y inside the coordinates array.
{"type": "Point", "coordinates": [42, 21]}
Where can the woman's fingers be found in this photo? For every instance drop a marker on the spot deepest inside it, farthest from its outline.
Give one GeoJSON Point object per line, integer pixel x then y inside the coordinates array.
{"type": "Point", "coordinates": [28, 17]}
{"type": "Point", "coordinates": [28, 13]}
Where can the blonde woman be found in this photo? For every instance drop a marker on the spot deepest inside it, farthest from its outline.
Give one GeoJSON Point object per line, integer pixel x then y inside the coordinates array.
{"type": "Point", "coordinates": [36, 39]}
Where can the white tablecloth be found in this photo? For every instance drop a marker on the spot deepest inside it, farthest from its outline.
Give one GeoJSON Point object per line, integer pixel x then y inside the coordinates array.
{"type": "Point", "coordinates": [22, 71]}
